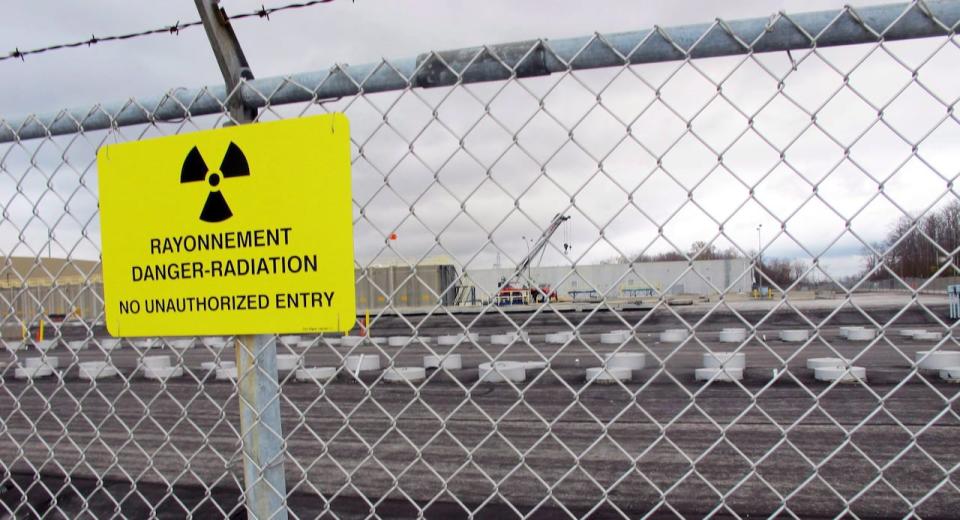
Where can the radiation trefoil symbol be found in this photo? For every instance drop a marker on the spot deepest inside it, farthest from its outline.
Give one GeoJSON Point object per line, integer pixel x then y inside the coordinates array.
{"type": "Point", "coordinates": [234, 164]}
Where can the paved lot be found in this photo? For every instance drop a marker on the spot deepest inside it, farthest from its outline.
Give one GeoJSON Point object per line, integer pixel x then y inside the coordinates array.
{"type": "Point", "coordinates": [550, 443]}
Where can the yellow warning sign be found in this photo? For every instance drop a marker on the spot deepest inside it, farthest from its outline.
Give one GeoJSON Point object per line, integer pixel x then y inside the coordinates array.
{"type": "Point", "coordinates": [239, 230]}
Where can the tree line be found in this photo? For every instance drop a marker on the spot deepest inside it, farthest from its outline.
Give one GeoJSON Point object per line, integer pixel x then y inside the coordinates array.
{"type": "Point", "coordinates": [910, 247]}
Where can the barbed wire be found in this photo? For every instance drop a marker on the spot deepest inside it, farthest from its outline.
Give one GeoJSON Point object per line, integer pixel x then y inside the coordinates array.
{"type": "Point", "coordinates": [263, 12]}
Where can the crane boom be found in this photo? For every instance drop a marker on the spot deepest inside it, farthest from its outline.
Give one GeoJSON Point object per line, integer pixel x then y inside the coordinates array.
{"type": "Point", "coordinates": [541, 243]}
{"type": "Point", "coordinates": [508, 294]}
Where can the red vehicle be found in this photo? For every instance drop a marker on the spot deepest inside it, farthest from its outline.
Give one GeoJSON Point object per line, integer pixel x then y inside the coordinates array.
{"type": "Point", "coordinates": [510, 294]}
{"type": "Point", "coordinates": [513, 295]}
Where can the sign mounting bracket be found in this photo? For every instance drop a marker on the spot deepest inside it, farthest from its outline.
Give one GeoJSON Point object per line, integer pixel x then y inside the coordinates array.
{"type": "Point", "coordinates": [230, 58]}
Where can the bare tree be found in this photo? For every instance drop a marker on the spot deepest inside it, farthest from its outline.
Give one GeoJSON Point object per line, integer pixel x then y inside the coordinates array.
{"type": "Point", "coordinates": [918, 246]}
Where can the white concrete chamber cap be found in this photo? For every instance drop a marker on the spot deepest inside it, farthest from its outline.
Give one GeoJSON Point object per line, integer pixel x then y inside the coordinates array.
{"type": "Point", "coordinates": [362, 362]}
{"type": "Point", "coordinates": [318, 374]}
{"type": "Point", "coordinates": [733, 335]}
{"type": "Point", "coordinates": [727, 359]}
{"type": "Point", "coordinates": [609, 375]}
{"type": "Point", "coordinates": [726, 375]}
{"type": "Point", "coordinates": [502, 371]}
{"type": "Point", "coordinates": [628, 360]}
{"type": "Point", "coordinates": [97, 370]}
{"type": "Point", "coordinates": [674, 335]}
{"type": "Point", "coordinates": [938, 360]}
{"type": "Point", "coordinates": [841, 374]}
{"type": "Point", "coordinates": [404, 374]}
{"type": "Point", "coordinates": [795, 335]}
{"type": "Point", "coordinates": [824, 362]}
{"type": "Point", "coordinates": [615, 337]}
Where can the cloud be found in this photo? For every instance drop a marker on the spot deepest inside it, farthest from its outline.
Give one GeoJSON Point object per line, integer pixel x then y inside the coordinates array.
{"type": "Point", "coordinates": [663, 159]}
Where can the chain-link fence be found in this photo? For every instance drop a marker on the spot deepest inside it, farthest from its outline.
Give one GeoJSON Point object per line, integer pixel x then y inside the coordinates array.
{"type": "Point", "coordinates": [616, 275]}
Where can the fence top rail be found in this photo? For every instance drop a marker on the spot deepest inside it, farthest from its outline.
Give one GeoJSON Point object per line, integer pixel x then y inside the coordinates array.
{"type": "Point", "coordinates": [780, 32]}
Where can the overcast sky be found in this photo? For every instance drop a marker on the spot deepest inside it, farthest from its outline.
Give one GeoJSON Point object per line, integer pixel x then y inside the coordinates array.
{"type": "Point", "coordinates": [367, 31]}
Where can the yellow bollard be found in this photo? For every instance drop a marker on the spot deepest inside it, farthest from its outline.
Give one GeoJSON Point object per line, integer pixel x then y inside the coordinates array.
{"type": "Point", "coordinates": [40, 332]}
{"type": "Point", "coordinates": [366, 323]}
{"type": "Point", "coordinates": [26, 333]}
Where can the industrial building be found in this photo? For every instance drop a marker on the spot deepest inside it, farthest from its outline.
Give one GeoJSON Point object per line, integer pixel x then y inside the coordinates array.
{"type": "Point", "coordinates": [32, 289]}
{"type": "Point", "coordinates": [57, 288]}
{"type": "Point", "coordinates": [622, 281]}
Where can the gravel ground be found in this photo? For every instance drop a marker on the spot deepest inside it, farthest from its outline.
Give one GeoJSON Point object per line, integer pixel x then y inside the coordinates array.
{"type": "Point", "coordinates": [662, 442]}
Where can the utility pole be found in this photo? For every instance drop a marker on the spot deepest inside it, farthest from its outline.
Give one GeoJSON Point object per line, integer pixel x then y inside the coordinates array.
{"type": "Point", "coordinates": [259, 390]}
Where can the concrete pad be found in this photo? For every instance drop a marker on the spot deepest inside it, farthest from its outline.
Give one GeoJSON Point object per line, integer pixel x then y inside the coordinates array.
{"type": "Point", "coordinates": [845, 331]}
{"type": "Point", "coordinates": [794, 335]}
{"type": "Point", "coordinates": [862, 334]}
{"type": "Point", "coordinates": [181, 344]}
{"type": "Point", "coordinates": [291, 340]}
{"type": "Point", "coordinates": [937, 360]}
{"type": "Point", "coordinates": [726, 375]}
{"type": "Point", "coordinates": [213, 365]}
{"type": "Point", "coordinates": [909, 333]}
{"type": "Point", "coordinates": [508, 338]}
{"type": "Point", "coordinates": [399, 341]}
{"type": "Point", "coordinates": [109, 343]}
{"type": "Point", "coordinates": [316, 374]}
{"type": "Point", "coordinates": [362, 363]}
{"type": "Point", "coordinates": [559, 337]}
{"type": "Point", "coordinates": [145, 342]}
{"type": "Point", "coordinates": [16, 346]}
{"type": "Point", "coordinates": [215, 342]}
{"type": "Point", "coordinates": [162, 373]}
{"type": "Point", "coordinates": [156, 362]}
{"type": "Point", "coordinates": [453, 339]}
{"type": "Point", "coordinates": [533, 365]}
{"type": "Point", "coordinates": [733, 335]}
{"type": "Point", "coordinates": [615, 337]}
{"type": "Point", "coordinates": [609, 375]}
{"type": "Point", "coordinates": [404, 374]}
{"type": "Point", "coordinates": [91, 370]}
{"type": "Point", "coordinates": [950, 375]}
{"type": "Point", "coordinates": [351, 341]}
{"type": "Point", "coordinates": [674, 335]}
{"type": "Point", "coordinates": [501, 372]}
{"type": "Point", "coordinates": [226, 373]}
{"type": "Point", "coordinates": [815, 363]}
{"type": "Point", "coordinates": [33, 362]}
{"type": "Point", "coordinates": [840, 374]}
{"type": "Point", "coordinates": [287, 362]}
{"type": "Point", "coordinates": [34, 372]}
{"type": "Point", "coordinates": [47, 344]}
{"type": "Point", "coordinates": [628, 360]}
{"type": "Point", "coordinates": [726, 359]}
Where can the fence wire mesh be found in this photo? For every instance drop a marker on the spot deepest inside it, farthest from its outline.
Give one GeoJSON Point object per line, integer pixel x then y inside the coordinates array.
{"type": "Point", "coordinates": [815, 154]}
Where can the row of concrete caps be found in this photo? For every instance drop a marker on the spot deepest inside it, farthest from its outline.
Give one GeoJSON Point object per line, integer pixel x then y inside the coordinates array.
{"type": "Point", "coordinates": [727, 335]}
{"type": "Point", "coordinates": [718, 366]}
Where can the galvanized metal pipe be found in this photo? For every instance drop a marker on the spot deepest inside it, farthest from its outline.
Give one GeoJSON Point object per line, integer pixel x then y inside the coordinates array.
{"type": "Point", "coordinates": [522, 59]}
{"type": "Point", "coordinates": [259, 395]}
{"type": "Point", "coordinates": [258, 386]}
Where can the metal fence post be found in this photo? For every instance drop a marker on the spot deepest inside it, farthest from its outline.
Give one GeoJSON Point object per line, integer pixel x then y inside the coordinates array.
{"type": "Point", "coordinates": [257, 382]}
{"type": "Point", "coordinates": [260, 427]}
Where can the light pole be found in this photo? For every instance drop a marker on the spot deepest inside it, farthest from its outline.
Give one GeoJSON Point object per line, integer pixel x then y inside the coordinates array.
{"type": "Point", "coordinates": [759, 256]}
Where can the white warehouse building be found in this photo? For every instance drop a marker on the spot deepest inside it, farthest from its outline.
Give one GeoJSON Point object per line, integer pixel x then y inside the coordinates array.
{"type": "Point", "coordinates": [617, 281]}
